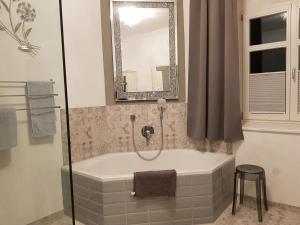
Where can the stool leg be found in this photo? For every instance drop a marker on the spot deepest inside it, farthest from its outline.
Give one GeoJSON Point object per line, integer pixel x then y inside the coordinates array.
{"type": "Point", "coordinates": [258, 199]}
{"type": "Point", "coordinates": [234, 193]}
{"type": "Point", "coordinates": [242, 184]}
{"type": "Point", "coordinates": [265, 192]}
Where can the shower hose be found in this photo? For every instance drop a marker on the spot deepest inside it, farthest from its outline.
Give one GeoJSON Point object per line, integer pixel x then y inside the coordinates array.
{"type": "Point", "coordinates": [132, 118]}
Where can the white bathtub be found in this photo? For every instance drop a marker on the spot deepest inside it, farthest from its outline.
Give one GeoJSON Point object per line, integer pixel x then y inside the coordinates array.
{"type": "Point", "coordinates": [203, 189]}
{"type": "Point", "coordinates": [116, 166]}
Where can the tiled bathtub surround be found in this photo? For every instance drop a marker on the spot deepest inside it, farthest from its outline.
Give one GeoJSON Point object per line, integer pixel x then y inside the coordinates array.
{"type": "Point", "coordinates": [200, 198]}
{"type": "Point", "coordinates": [99, 130]}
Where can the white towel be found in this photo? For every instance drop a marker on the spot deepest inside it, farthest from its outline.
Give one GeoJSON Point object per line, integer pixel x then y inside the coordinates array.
{"type": "Point", "coordinates": [43, 121]}
{"type": "Point", "coordinates": [8, 128]}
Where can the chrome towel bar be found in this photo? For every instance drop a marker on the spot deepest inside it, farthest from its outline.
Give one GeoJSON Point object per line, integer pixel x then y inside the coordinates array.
{"type": "Point", "coordinates": [28, 109]}
{"type": "Point", "coordinates": [47, 95]}
{"type": "Point", "coordinates": [17, 82]}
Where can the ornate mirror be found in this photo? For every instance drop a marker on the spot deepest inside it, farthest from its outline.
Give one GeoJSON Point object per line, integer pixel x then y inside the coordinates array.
{"type": "Point", "coordinates": [144, 37]}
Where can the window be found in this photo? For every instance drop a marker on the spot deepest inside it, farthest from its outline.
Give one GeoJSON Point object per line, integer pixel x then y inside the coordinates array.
{"type": "Point", "coordinates": [271, 79]}
{"type": "Point", "coordinates": [268, 29]}
{"type": "Point", "coordinates": [268, 61]}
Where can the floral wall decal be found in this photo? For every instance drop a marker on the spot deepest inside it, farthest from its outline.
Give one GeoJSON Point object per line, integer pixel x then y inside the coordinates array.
{"type": "Point", "coordinates": [19, 30]}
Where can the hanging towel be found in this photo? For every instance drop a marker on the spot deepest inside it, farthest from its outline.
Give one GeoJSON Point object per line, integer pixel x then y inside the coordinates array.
{"type": "Point", "coordinates": [43, 121]}
{"type": "Point", "coordinates": [8, 128]}
{"type": "Point", "coordinates": [155, 183]}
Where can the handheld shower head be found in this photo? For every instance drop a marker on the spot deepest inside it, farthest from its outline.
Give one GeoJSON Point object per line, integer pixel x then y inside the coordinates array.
{"type": "Point", "coordinates": [132, 117]}
{"type": "Point", "coordinates": [162, 106]}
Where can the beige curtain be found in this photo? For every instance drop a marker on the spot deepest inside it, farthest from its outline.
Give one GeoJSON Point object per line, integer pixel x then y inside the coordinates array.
{"type": "Point", "coordinates": [213, 93]}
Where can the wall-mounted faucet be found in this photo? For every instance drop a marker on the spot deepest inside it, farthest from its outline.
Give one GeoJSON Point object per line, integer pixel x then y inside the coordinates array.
{"type": "Point", "coordinates": [147, 132]}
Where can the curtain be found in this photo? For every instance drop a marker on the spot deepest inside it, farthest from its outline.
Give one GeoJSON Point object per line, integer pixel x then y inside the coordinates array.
{"type": "Point", "coordinates": [213, 92]}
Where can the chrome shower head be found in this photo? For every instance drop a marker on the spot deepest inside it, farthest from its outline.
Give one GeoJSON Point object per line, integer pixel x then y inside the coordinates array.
{"type": "Point", "coordinates": [162, 104]}
{"type": "Point", "coordinates": [132, 117]}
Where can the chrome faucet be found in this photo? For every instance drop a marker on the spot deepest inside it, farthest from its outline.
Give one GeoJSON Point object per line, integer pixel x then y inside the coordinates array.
{"type": "Point", "coordinates": [147, 132]}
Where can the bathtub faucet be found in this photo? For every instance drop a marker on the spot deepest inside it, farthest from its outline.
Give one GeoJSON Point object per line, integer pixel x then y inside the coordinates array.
{"type": "Point", "coordinates": [147, 132]}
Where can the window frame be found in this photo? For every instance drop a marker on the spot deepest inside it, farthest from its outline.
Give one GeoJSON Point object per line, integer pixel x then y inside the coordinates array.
{"type": "Point", "coordinates": [247, 48]}
{"type": "Point", "coordinates": [295, 45]}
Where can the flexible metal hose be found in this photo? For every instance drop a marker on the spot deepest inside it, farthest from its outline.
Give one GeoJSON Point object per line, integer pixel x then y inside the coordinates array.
{"type": "Point", "coordinates": [161, 134]}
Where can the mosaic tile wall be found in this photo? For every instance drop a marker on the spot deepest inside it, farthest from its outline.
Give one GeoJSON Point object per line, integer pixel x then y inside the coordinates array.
{"type": "Point", "coordinates": [106, 129]}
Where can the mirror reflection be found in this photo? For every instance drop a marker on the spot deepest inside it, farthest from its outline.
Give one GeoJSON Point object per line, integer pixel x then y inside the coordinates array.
{"type": "Point", "coordinates": [145, 48]}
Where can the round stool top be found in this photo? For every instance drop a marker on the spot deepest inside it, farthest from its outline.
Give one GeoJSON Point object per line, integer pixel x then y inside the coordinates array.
{"type": "Point", "coordinates": [251, 169]}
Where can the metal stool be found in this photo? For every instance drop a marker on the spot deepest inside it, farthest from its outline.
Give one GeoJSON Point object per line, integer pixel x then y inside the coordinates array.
{"type": "Point", "coordinates": [250, 173]}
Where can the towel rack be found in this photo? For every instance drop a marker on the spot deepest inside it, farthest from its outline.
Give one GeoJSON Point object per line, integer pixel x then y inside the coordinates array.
{"type": "Point", "coordinates": [47, 95]}
{"type": "Point", "coordinates": [28, 109]}
{"type": "Point", "coordinates": [26, 95]}
{"type": "Point", "coordinates": [19, 82]}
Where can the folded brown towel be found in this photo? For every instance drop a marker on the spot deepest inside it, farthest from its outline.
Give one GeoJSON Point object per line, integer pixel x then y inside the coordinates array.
{"type": "Point", "coordinates": [155, 183]}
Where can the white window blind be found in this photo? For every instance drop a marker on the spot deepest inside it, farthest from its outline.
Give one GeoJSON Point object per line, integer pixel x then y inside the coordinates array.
{"type": "Point", "coordinates": [267, 93]}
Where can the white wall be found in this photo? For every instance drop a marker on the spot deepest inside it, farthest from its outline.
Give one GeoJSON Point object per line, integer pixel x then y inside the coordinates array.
{"type": "Point", "coordinates": [280, 156]}
{"type": "Point", "coordinates": [253, 5]}
{"type": "Point", "coordinates": [30, 181]}
{"type": "Point", "coordinates": [83, 44]}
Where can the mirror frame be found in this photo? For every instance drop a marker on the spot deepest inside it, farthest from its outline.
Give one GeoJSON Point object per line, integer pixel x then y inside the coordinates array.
{"type": "Point", "coordinates": [107, 45]}
{"type": "Point", "coordinates": [122, 95]}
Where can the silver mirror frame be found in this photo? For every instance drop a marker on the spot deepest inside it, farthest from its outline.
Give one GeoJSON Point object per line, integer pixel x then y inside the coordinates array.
{"type": "Point", "coordinates": [121, 95]}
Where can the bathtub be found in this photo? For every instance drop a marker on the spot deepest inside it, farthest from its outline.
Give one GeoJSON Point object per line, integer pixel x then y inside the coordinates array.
{"type": "Point", "coordinates": [103, 186]}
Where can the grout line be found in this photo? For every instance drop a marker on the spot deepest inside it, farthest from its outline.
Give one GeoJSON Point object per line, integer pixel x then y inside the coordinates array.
{"type": "Point", "coordinates": [148, 211]}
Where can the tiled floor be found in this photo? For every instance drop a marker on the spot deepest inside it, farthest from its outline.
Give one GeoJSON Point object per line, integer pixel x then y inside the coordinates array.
{"type": "Point", "coordinates": [246, 215]}
{"type": "Point", "coordinates": [55, 219]}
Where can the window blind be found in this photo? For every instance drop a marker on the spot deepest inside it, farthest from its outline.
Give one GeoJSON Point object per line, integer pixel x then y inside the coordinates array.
{"type": "Point", "coordinates": [267, 92]}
